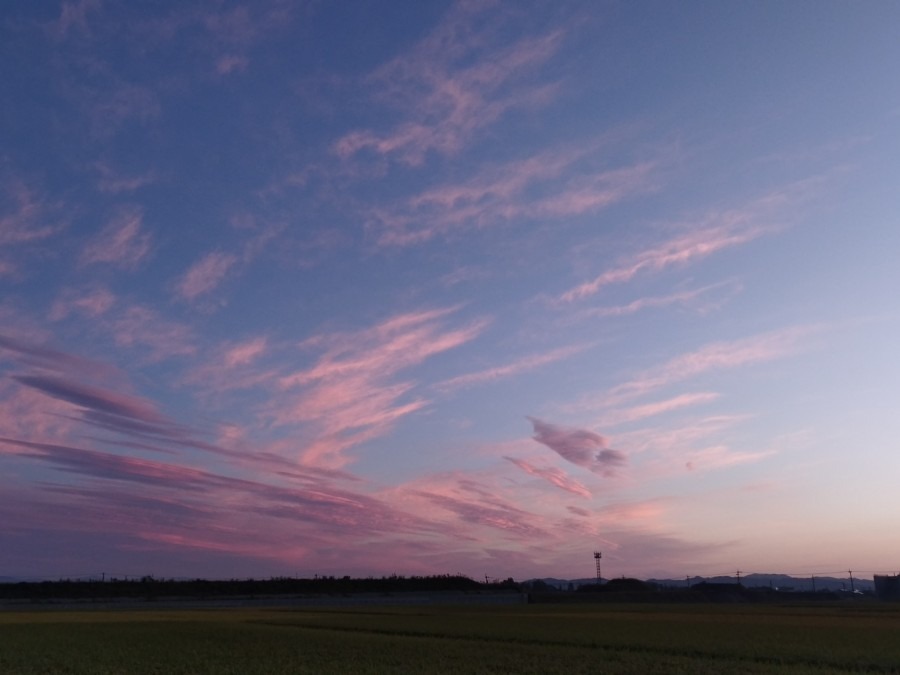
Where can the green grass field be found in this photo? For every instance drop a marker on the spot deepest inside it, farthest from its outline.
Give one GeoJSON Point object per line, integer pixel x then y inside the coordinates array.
{"type": "Point", "coordinates": [724, 639]}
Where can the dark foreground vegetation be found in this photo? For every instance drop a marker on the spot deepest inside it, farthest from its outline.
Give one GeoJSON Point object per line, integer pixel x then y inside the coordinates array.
{"type": "Point", "coordinates": [601, 638]}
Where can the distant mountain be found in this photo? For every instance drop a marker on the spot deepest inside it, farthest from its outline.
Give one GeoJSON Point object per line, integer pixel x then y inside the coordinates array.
{"type": "Point", "coordinates": [781, 582]}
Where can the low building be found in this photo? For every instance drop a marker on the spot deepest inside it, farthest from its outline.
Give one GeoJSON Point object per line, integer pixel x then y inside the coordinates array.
{"type": "Point", "coordinates": [887, 587]}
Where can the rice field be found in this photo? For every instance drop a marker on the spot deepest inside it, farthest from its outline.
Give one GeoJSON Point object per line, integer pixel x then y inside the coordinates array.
{"type": "Point", "coordinates": [839, 638]}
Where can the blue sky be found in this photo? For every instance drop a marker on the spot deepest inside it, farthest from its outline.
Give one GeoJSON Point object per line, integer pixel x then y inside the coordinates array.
{"type": "Point", "coordinates": [481, 287]}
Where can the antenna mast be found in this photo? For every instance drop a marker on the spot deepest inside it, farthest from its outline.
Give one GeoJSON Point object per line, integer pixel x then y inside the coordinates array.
{"type": "Point", "coordinates": [597, 557]}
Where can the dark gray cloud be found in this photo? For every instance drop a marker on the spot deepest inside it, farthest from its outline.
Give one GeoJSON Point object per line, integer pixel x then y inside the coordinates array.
{"type": "Point", "coordinates": [48, 359]}
{"type": "Point", "coordinates": [579, 446]}
{"type": "Point", "coordinates": [92, 398]}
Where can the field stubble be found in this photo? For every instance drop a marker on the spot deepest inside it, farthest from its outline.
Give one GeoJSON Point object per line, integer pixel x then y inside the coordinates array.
{"type": "Point", "coordinates": [515, 639]}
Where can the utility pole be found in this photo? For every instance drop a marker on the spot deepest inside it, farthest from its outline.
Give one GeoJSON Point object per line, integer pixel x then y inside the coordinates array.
{"type": "Point", "coordinates": [738, 577]}
{"type": "Point", "coordinates": [852, 588]}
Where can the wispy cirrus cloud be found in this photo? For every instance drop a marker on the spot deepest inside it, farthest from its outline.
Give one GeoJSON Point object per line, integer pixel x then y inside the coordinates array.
{"type": "Point", "coordinates": [231, 63]}
{"type": "Point", "coordinates": [683, 437]}
{"type": "Point", "coordinates": [720, 457]}
{"type": "Point", "coordinates": [552, 184]}
{"type": "Point", "coordinates": [113, 181]}
{"type": "Point", "coordinates": [25, 215]}
{"type": "Point", "coordinates": [206, 274]}
{"type": "Point", "coordinates": [169, 502]}
{"type": "Point", "coordinates": [234, 366]}
{"type": "Point", "coordinates": [471, 508]}
{"type": "Point", "coordinates": [91, 302]}
{"type": "Point", "coordinates": [73, 15]}
{"type": "Point", "coordinates": [110, 107]}
{"type": "Point", "coordinates": [699, 444]}
{"type": "Point", "coordinates": [554, 476]}
{"type": "Point", "coordinates": [225, 34]}
{"type": "Point", "coordinates": [245, 352]}
{"type": "Point", "coordinates": [581, 447]}
{"type": "Point", "coordinates": [98, 395]}
{"type": "Point", "coordinates": [121, 243]}
{"type": "Point", "coordinates": [716, 231]}
{"type": "Point", "coordinates": [349, 394]}
{"type": "Point", "coordinates": [703, 299]}
{"type": "Point", "coordinates": [712, 357]}
{"type": "Point", "coordinates": [680, 250]}
{"type": "Point", "coordinates": [523, 365]}
{"type": "Point", "coordinates": [25, 218]}
{"type": "Point", "coordinates": [144, 328]}
{"type": "Point", "coordinates": [214, 267]}
{"type": "Point", "coordinates": [29, 353]}
{"type": "Point", "coordinates": [639, 412]}
{"type": "Point", "coordinates": [92, 398]}
{"type": "Point", "coordinates": [453, 84]}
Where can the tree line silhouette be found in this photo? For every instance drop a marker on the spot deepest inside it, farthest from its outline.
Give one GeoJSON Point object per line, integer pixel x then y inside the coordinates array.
{"type": "Point", "coordinates": [150, 587]}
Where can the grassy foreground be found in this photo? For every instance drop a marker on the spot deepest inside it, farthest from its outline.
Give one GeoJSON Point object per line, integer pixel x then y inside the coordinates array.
{"type": "Point", "coordinates": [511, 639]}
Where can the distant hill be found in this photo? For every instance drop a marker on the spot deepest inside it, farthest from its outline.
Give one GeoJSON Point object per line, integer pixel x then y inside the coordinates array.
{"type": "Point", "coordinates": [781, 582]}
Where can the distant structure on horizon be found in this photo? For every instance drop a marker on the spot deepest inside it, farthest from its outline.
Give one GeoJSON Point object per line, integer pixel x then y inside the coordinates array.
{"type": "Point", "coordinates": [887, 587]}
{"type": "Point", "coordinates": [597, 557]}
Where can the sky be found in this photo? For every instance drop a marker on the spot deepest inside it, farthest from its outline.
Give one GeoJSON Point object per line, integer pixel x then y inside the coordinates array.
{"type": "Point", "coordinates": [481, 287]}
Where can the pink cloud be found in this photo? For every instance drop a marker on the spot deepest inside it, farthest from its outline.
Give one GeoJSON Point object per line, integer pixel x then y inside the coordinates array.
{"type": "Point", "coordinates": [205, 275]}
{"type": "Point", "coordinates": [91, 303]}
{"type": "Point", "coordinates": [580, 447]}
{"type": "Point", "coordinates": [208, 273]}
{"type": "Point", "coordinates": [24, 216]}
{"type": "Point", "coordinates": [640, 412]}
{"type": "Point", "coordinates": [524, 365]}
{"type": "Point", "coordinates": [111, 181]}
{"type": "Point", "coordinates": [553, 476]}
{"type": "Point", "coordinates": [680, 250]}
{"type": "Point", "coordinates": [173, 503]}
{"type": "Point", "coordinates": [74, 15]}
{"type": "Point", "coordinates": [224, 34]}
{"type": "Point", "coordinates": [700, 445]}
{"type": "Point", "coordinates": [27, 413]}
{"type": "Point", "coordinates": [451, 86]}
{"type": "Point", "coordinates": [28, 349]}
{"type": "Point", "coordinates": [233, 367]}
{"type": "Point", "coordinates": [245, 352]}
{"type": "Point", "coordinates": [720, 456]}
{"type": "Point", "coordinates": [231, 63]}
{"type": "Point", "coordinates": [697, 297]}
{"type": "Point", "coordinates": [349, 394]}
{"type": "Point", "coordinates": [472, 509]}
{"type": "Point", "coordinates": [393, 345]}
{"type": "Point", "coordinates": [20, 225]}
{"type": "Point", "coordinates": [121, 242]}
{"type": "Point", "coordinates": [681, 438]}
{"type": "Point", "coordinates": [711, 357]}
{"type": "Point", "coordinates": [111, 108]}
{"type": "Point", "coordinates": [715, 232]}
{"type": "Point", "coordinates": [111, 466]}
{"type": "Point", "coordinates": [550, 185]}
{"type": "Point", "coordinates": [141, 327]}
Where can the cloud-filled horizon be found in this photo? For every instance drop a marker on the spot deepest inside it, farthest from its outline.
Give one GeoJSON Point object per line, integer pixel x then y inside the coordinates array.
{"type": "Point", "coordinates": [455, 287]}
